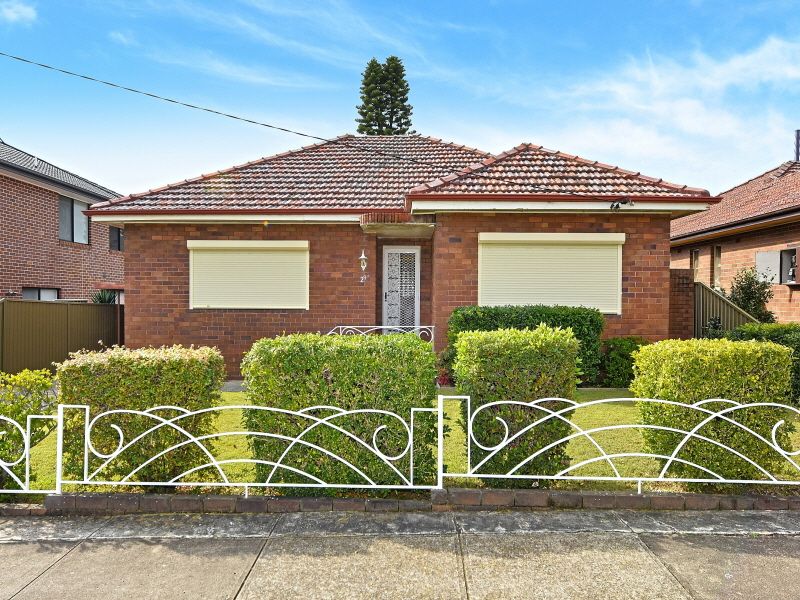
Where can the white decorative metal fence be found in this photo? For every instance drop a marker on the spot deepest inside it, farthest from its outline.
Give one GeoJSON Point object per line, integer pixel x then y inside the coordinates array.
{"type": "Point", "coordinates": [729, 447]}
{"type": "Point", "coordinates": [425, 332]}
{"type": "Point", "coordinates": [328, 447]}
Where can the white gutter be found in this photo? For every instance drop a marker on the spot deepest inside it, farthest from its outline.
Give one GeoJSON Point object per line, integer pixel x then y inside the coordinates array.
{"type": "Point", "coordinates": [445, 206]}
{"type": "Point", "coordinates": [211, 218]}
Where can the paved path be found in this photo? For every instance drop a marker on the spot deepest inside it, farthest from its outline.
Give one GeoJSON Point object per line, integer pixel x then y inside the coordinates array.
{"type": "Point", "coordinates": [542, 555]}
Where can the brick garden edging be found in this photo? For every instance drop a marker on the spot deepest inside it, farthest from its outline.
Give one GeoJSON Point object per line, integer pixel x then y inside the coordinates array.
{"type": "Point", "coordinates": [452, 499]}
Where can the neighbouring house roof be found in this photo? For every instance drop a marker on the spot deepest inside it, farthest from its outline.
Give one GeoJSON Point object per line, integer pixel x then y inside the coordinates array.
{"type": "Point", "coordinates": [774, 193]}
{"type": "Point", "coordinates": [25, 164]}
{"type": "Point", "coordinates": [529, 169]}
{"type": "Point", "coordinates": [350, 173]}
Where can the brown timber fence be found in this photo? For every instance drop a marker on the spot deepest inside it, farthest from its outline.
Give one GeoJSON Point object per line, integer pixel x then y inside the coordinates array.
{"type": "Point", "coordinates": [34, 334]}
{"type": "Point", "coordinates": [709, 304]}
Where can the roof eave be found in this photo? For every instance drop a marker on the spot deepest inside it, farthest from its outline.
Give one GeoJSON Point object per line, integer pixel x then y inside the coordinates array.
{"type": "Point", "coordinates": [685, 204]}
{"type": "Point", "coordinates": [36, 178]}
{"type": "Point", "coordinates": [743, 226]}
{"type": "Point", "coordinates": [234, 211]}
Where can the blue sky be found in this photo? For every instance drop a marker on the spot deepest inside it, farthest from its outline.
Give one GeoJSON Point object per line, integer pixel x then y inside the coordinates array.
{"type": "Point", "coordinates": [698, 92]}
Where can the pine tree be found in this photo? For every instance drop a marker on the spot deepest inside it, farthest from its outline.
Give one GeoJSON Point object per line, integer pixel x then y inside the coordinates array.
{"type": "Point", "coordinates": [398, 110]}
{"type": "Point", "coordinates": [384, 108]}
{"type": "Point", "coordinates": [371, 112]}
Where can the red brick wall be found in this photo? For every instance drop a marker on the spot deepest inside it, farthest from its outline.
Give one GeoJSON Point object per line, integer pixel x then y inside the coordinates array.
{"type": "Point", "coordinates": [31, 255]}
{"type": "Point", "coordinates": [157, 283]}
{"type": "Point", "coordinates": [681, 304]}
{"type": "Point", "coordinates": [425, 277]}
{"type": "Point", "coordinates": [645, 264]}
{"type": "Point", "coordinates": [739, 252]}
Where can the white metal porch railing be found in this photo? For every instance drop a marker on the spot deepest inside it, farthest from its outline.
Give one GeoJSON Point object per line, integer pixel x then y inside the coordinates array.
{"type": "Point", "coordinates": [425, 332]}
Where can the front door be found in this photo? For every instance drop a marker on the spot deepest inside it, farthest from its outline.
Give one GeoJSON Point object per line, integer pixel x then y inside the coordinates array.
{"type": "Point", "coordinates": [401, 286]}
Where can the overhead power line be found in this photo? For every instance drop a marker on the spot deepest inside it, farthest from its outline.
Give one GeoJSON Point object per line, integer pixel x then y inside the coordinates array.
{"type": "Point", "coordinates": [268, 125]}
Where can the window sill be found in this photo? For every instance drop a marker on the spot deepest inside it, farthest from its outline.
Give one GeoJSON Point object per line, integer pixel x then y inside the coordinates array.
{"type": "Point", "coordinates": [75, 244]}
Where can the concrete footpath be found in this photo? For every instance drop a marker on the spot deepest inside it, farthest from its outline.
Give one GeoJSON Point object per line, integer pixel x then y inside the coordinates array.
{"type": "Point", "coordinates": [542, 555]}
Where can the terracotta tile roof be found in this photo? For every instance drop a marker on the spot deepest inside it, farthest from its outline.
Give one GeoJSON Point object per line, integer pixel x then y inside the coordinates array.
{"type": "Point", "coordinates": [355, 173]}
{"type": "Point", "coordinates": [776, 191]}
{"type": "Point", "coordinates": [531, 169]}
{"type": "Point", "coordinates": [37, 168]}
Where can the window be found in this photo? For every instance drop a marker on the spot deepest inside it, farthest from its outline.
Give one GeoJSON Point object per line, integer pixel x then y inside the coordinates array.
{"type": "Point", "coordinates": [575, 269]}
{"type": "Point", "coordinates": [31, 293]}
{"type": "Point", "coordinates": [789, 266]}
{"type": "Point", "coordinates": [116, 238]}
{"type": "Point", "coordinates": [694, 263]}
{"type": "Point", "coordinates": [717, 266]}
{"type": "Point", "coordinates": [777, 266]}
{"type": "Point", "coordinates": [248, 274]}
{"type": "Point", "coordinates": [73, 225]}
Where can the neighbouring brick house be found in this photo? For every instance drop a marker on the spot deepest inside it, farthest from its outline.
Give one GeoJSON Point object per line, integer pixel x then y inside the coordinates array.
{"type": "Point", "coordinates": [49, 249]}
{"type": "Point", "coordinates": [756, 224]}
{"type": "Point", "coordinates": [278, 245]}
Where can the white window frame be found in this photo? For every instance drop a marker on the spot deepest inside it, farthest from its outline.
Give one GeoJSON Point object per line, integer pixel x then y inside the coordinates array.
{"type": "Point", "coordinates": [249, 244]}
{"type": "Point", "coordinates": [558, 239]}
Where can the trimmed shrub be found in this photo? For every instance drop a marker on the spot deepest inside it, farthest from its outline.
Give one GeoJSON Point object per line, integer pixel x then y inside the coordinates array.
{"type": "Point", "coordinates": [785, 334]}
{"type": "Point", "coordinates": [121, 379]}
{"type": "Point", "coordinates": [521, 366]}
{"type": "Point", "coordinates": [586, 324]}
{"type": "Point", "coordinates": [690, 371]}
{"type": "Point", "coordinates": [617, 360]}
{"type": "Point", "coordinates": [22, 394]}
{"type": "Point", "coordinates": [323, 375]}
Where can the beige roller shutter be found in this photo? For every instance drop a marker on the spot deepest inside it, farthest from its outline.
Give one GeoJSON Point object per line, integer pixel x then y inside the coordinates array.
{"type": "Point", "coordinates": [551, 268]}
{"type": "Point", "coordinates": [248, 274]}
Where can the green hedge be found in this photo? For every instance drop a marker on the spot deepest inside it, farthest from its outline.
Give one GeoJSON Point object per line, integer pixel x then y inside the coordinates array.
{"type": "Point", "coordinates": [22, 394]}
{"type": "Point", "coordinates": [523, 366]}
{"type": "Point", "coordinates": [617, 360]}
{"type": "Point", "coordinates": [689, 371]}
{"type": "Point", "coordinates": [785, 334]}
{"type": "Point", "coordinates": [119, 378]}
{"type": "Point", "coordinates": [586, 323]}
{"type": "Point", "coordinates": [392, 373]}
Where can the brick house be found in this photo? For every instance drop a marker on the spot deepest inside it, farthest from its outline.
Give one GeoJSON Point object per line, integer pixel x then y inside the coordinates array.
{"type": "Point", "coordinates": [756, 224]}
{"type": "Point", "coordinates": [393, 230]}
{"type": "Point", "coordinates": [49, 249]}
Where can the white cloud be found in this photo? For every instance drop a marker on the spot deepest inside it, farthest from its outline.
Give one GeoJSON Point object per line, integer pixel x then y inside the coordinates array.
{"type": "Point", "coordinates": [16, 11]}
{"type": "Point", "coordinates": [212, 64]}
{"type": "Point", "coordinates": [122, 38]}
{"type": "Point", "coordinates": [703, 120]}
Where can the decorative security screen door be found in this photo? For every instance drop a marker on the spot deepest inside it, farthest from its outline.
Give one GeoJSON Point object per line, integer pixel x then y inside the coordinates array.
{"type": "Point", "coordinates": [401, 286]}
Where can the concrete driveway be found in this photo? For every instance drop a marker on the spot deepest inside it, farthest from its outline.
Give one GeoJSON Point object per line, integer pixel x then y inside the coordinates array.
{"type": "Point", "coordinates": [543, 555]}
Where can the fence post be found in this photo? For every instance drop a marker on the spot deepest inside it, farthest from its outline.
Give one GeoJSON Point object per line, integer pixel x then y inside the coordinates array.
{"type": "Point", "coordinates": [59, 447]}
{"type": "Point", "coordinates": [440, 443]}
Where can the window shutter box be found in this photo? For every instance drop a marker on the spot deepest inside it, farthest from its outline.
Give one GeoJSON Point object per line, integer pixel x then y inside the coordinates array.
{"type": "Point", "coordinates": [551, 268]}
{"type": "Point", "coordinates": [248, 274]}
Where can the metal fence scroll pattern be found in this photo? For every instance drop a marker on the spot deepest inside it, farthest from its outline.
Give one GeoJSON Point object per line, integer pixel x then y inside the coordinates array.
{"type": "Point", "coordinates": [707, 412]}
{"type": "Point", "coordinates": [388, 446]}
{"type": "Point", "coordinates": [396, 468]}
{"type": "Point", "coordinates": [425, 332]}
